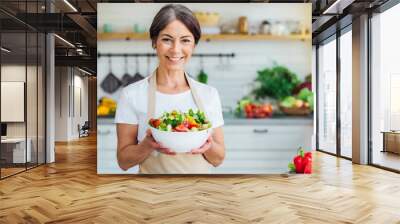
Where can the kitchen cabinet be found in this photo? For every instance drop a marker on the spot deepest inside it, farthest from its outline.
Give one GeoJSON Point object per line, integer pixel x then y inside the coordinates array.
{"type": "Point", "coordinates": [107, 149]}
{"type": "Point", "coordinates": [263, 148]}
{"type": "Point", "coordinates": [253, 146]}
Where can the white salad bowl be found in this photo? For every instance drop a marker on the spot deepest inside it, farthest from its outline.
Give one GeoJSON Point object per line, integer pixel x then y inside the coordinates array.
{"type": "Point", "coordinates": [181, 142]}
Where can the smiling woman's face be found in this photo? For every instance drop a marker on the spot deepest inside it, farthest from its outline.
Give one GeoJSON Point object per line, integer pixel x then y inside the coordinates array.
{"type": "Point", "coordinates": [174, 46]}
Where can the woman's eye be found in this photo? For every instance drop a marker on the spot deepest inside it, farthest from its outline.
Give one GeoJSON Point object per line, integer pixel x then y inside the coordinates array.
{"type": "Point", "coordinates": [186, 41]}
{"type": "Point", "coordinates": [166, 40]}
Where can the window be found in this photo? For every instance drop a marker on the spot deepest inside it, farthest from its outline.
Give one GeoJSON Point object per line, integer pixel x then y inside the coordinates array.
{"type": "Point", "coordinates": [327, 96]}
{"type": "Point", "coordinates": [385, 89]}
{"type": "Point", "coordinates": [346, 94]}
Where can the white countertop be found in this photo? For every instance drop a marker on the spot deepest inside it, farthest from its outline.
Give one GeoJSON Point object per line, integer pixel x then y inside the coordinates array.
{"type": "Point", "coordinates": [231, 120]}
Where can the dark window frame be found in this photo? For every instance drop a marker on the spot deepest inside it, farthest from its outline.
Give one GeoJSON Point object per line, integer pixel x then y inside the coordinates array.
{"type": "Point", "coordinates": [334, 37]}
{"type": "Point", "coordinates": [29, 29]}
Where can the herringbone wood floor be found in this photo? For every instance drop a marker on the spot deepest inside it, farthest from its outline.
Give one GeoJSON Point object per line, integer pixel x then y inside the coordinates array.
{"type": "Point", "coordinates": [70, 191]}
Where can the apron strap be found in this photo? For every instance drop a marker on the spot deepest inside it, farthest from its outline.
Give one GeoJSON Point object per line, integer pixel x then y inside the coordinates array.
{"type": "Point", "coordinates": [151, 94]}
{"type": "Point", "coordinates": [195, 95]}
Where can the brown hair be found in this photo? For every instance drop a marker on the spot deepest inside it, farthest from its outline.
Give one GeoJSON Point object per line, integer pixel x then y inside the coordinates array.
{"type": "Point", "coordinates": [172, 12]}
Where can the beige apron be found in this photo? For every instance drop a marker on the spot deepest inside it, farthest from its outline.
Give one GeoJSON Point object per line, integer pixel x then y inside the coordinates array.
{"type": "Point", "coordinates": [181, 163]}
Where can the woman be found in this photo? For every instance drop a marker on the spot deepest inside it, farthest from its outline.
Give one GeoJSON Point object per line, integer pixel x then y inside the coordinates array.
{"type": "Point", "coordinates": [174, 33]}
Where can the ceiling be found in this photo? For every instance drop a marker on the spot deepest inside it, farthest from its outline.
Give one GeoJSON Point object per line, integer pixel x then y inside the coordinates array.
{"type": "Point", "coordinates": [77, 23]}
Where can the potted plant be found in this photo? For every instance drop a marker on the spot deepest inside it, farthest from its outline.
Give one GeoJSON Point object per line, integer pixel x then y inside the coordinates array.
{"type": "Point", "coordinates": [277, 82]}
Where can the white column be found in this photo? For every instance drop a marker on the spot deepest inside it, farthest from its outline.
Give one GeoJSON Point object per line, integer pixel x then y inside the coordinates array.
{"type": "Point", "coordinates": [314, 89]}
{"type": "Point", "coordinates": [50, 94]}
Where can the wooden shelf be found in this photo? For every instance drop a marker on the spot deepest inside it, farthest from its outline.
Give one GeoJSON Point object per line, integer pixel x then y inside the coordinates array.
{"type": "Point", "coordinates": [123, 36]}
{"type": "Point", "coordinates": [207, 37]}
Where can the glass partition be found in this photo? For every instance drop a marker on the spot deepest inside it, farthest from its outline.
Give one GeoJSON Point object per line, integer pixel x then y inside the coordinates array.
{"type": "Point", "coordinates": [22, 92]}
{"type": "Point", "coordinates": [13, 92]}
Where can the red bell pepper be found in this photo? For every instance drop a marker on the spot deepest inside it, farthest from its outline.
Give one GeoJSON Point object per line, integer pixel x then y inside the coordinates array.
{"type": "Point", "coordinates": [308, 168]}
{"type": "Point", "coordinates": [308, 154]}
{"type": "Point", "coordinates": [306, 162]}
{"type": "Point", "coordinates": [298, 163]}
{"type": "Point", "coordinates": [302, 163]}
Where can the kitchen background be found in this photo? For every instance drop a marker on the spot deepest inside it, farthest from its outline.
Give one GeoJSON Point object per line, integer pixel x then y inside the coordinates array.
{"type": "Point", "coordinates": [271, 34]}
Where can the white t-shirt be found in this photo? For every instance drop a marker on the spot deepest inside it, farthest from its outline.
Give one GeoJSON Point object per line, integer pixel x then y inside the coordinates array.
{"type": "Point", "coordinates": [132, 105]}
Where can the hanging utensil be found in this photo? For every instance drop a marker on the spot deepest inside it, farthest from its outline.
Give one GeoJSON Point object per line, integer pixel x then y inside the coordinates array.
{"type": "Point", "coordinates": [148, 63]}
{"type": "Point", "coordinates": [202, 76]}
{"type": "Point", "coordinates": [137, 75]}
{"type": "Point", "coordinates": [228, 64]}
{"type": "Point", "coordinates": [220, 65]}
{"type": "Point", "coordinates": [111, 83]}
{"type": "Point", "coordinates": [126, 78]}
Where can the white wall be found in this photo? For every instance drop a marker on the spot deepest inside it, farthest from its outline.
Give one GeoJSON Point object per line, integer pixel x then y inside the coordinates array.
{"type": "Point", "coordinates": [61, 103]}
{"type": "Point", "coordinates": [14, 73]}
{"type": "Point", "coordinates": [79, 117]}
{"type": "Point", "coordinates": [232, 78]}
{"type": "Point", "coordinates": [67, 103]}
{"type": "Point", "coordinates": [17, 73]}
{"type": "Point", "coordinates": [33, 126]}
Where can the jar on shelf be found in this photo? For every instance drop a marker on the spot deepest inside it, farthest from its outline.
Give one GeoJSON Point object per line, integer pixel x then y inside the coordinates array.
{"type": "Point", "coordinates": [107, 28]}
{"type": "Point", "coordinates": [265, 27]}
{"type": "Point", "coordinates": [243, 25]}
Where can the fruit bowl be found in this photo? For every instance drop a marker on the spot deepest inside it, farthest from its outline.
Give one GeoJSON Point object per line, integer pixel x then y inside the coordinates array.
{"type": "Point", "coordinates": [296, 111]}
{"type": "Point", "coordinates": [181, 142]}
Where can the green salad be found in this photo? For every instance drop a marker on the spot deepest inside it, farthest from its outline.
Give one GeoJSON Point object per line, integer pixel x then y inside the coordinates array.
{"type": "Point", "coordinates": [177, 121]}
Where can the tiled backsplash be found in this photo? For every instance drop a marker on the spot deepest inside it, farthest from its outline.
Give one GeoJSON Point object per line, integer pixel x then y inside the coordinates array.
{"type": "Point", "coordinates": [232, 77]}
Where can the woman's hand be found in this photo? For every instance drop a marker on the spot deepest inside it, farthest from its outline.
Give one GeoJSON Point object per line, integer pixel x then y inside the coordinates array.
{"type": "Point", "coordinates": [206, 146]}
{"type": "Point", "coordinates": [149, 142]}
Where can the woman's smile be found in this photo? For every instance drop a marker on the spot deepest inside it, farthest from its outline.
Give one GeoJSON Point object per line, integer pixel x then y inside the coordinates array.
{"type": "Point", "coordinates": [175, 59]}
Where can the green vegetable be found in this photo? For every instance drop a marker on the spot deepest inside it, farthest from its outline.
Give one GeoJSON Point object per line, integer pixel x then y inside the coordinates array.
{"type": "Point", "coordinates": [191, 113]}
{"type": "Point", "coordinates": [310, 100]}
{"type": "Point", "coordinates": [241, 104]}
{"type": "Point", "coordinates": [288, 101]}
{"type": "Point", "coordinates": [276, 82]}
{"type": "Point", "coordinates": [291, 167]}
{"type": "Point", "coordinates": [304, 94]}
{"type": "Point", "coordinates": [178, 121]}
{"type": "Point", "coordinates": [202, 77]}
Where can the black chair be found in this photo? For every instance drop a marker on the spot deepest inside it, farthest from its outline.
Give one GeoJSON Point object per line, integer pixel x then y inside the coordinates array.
{"type": "Point", "coordinates": [84, 130]}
